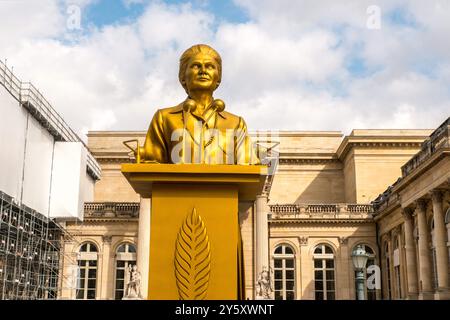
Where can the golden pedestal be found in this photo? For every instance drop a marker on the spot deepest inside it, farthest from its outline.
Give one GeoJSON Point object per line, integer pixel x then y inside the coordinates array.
{"type": "Point", "coordinates": [195, 245]}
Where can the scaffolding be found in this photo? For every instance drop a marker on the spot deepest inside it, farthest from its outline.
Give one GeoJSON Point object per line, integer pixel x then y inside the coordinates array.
{"type": "Point", "coordinates": [31, 253]}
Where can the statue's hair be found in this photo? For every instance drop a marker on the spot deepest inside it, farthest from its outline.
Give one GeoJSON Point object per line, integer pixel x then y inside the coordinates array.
{"type": "Point", "coordinates": [192, 51]}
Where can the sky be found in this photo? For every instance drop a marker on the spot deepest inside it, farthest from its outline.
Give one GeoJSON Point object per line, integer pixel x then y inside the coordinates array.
{"type": "Point", "coordinates": [303, 65]}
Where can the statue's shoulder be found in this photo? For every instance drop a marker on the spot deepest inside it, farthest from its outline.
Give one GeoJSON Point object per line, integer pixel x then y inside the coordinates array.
{"type": "Point", "coordinates": [170, 110]}
{"type": "Point", "coordinates": [232, 118]}
{"type": "Point", "coordinates": [230, 115]}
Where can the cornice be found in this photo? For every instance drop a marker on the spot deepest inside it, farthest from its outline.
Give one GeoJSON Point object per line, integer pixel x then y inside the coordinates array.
{"type": "Point", "coordinates": [290, 161]}
{"type": "Point", "coordinates": [116, 133]}
{"type": "Point", "coordinates": [264, 133]}
{"type": "Point", "coordinates": [351, 142]}
{"type": "Point", "coordinates": [281, 133]}
{"type": "Point", "coordinates": [111, 159]}
{"type": "Point", "coordinates": [114, 158]}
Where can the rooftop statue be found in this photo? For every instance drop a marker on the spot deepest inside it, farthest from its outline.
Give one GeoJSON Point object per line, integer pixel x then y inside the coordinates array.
{"type": "Point", "coordinates": [198, 130]}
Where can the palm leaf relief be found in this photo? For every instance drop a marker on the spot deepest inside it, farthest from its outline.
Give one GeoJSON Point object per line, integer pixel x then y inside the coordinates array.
{"type": "Point", "coordinates": [192, 259]}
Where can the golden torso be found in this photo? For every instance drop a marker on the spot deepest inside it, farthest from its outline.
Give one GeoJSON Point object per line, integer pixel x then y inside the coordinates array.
{"type": "Point", "coordinates": [165, 139]}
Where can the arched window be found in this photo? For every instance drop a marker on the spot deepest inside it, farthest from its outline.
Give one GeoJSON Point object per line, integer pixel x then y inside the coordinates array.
{"type": "Point", "coordinates": [87, 276]}
{"type": "Point", "coordinates": [433, 255]}
{"type": "Point", "coordinates": [447, 223]}
{"type": "Point", "coordinates": [388, 270]}
{"type": "Point", "coordinates": [125, 259]}
{"type": "Point", "coordinates": [397, 274]}
{"type": "Point", "coordinates": [370, 293]}
{"type": "Point", "coordinates": [324, 277]}
{"type": "Point", "coordinates": [284, 267]}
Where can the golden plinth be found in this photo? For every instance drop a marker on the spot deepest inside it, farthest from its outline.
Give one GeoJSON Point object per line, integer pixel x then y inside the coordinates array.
{"type": "Point", "coordinates": [194, 230]}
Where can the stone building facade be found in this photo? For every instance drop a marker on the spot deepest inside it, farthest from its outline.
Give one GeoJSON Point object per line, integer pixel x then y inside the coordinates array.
{"type": "Point", "coordinates": [413, 219]}
{"type": "Point", "coordinates": [327, 196]}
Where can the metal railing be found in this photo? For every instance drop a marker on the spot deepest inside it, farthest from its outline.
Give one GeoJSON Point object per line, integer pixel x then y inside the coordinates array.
{"type": "Point", "coordinates": [320, 210]}
{"type": "Point", "coordinates": [39, 107]}
{"type": "Point", "coordinates": [111, 209]}
{"type": "Point", "coordinates": [438, 140]}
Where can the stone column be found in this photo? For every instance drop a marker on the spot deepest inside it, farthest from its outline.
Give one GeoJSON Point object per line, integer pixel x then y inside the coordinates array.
{"type": "Point", "coordinates": [143, 247]}
{"type": "Point", "coordinates": [106, 291]}
{"type": "Point", "coordinates": [303, 268]}
{"type": "Point", "coordinates": [261, 235]}
{"type": "Point", "coordinates": [344, 280]}
{"type": "Point", "coordinates": [410, 248]}
{"type": "Point", "coordinates": [440, 233]}
{"type": "Point", "coordinates": [426, 291]}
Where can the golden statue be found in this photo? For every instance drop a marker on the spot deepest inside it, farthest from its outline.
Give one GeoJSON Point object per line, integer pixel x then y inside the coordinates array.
{"type": "Point", "coordinates": [198, 130]}
{"type": "Point", "coordinates": [196, 250]}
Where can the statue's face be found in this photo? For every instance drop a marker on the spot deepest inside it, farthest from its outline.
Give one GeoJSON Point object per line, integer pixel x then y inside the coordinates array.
{"type": "Point", "coordinates": [202, 73]}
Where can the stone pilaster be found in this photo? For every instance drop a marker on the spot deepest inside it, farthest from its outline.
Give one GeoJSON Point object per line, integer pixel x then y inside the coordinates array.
{"type": "Point", "coordinates": [262, 235]}
{"type": "Point", "coordinates": [343, 281]}
{"type": "Point", "coordinates": [426, 291]}
{"type": "Point", "coordinates": [103, 282]}
{"type": "Point", "coordinates": [143, 247]}
{"type": "Point", "coordinates": [440, 233]}
{"type": "Point", "coordinates": [410, 248]}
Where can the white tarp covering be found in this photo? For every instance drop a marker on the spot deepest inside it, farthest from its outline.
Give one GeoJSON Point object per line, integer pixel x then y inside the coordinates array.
{"type": "Point", "coordinates": [68, 180]}
{"type": "Point", "coordinates": [88, 187]}
{"type": "Point", "coordinates": [49, 177]}
{"type": "Point", "coordinates": [13, 122]}
{"type": "Point", "coordinates": [38, 167]}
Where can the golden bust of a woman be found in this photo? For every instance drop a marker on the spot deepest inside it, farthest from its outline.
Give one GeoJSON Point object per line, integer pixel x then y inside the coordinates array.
{"type": "Point", "coordinates": [198, 130]}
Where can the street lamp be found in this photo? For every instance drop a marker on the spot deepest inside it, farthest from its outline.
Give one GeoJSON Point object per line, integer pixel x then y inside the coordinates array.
{"type": "Point", "coordinates": [359, 257]}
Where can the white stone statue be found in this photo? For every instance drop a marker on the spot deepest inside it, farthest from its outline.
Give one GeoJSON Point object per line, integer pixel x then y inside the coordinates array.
{"type": "Point", "coordinates": [133, 285]}
{"type": "Point", "coordinates": [264, 286]}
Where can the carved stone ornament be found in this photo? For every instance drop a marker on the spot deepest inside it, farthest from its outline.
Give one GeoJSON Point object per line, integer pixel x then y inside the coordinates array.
{"type": "Point", "coordinates": [264, 287]}
{"type": "Point", "coordinates": [132, 284]}
{"type": "Point", "coordinates": [107, 239]}
{"type": "Point", "coordinates": [192, 259]}
{"type": "Point", "coordinates": [303, 241]}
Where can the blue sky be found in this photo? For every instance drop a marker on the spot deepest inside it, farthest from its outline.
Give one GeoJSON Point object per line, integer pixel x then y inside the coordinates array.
{"type": "Point", "coordinates": [106, 12]}
{"type": "Point", "coordinates": [101, 13]}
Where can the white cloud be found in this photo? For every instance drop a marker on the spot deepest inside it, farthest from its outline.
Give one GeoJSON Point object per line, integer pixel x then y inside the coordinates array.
{"type": "Point", "coordinates": [286, 68]}
{"type": "Point", "coordinates": [163, 27]}
{"type": "Point", "coordinates": [132, 2]}
{"type": "Point", "coordinates": [24, 19]}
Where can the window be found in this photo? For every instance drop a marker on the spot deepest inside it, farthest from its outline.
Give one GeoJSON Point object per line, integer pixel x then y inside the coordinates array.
{"type": "Point", "coordinates": [433, 256]}
{"type": "Point", "coordinates": [447, 223]}
{"type": "Point", "coordinates": [284, 268]}
{"type": "Point", "coordinates": [388, 270]}
{"type": "Point", "coordinates": [324, 277]}
{"type": "Point", "coordinates": [125, 259]}
{"type": "Point", "coordinates": [87, 276]}
{"type": "Point", "coordinates": [398, 284]}
{"type": "Point", "coordinates": [371, 294]}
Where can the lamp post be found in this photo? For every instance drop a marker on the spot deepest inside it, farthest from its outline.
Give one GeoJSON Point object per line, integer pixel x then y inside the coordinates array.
{"type": "Point", "coordinates": [359, 257]}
